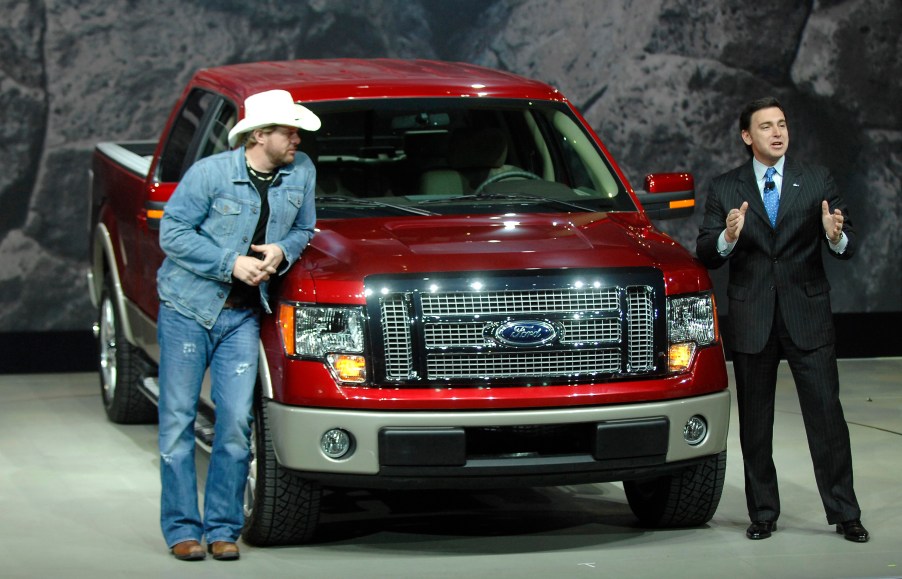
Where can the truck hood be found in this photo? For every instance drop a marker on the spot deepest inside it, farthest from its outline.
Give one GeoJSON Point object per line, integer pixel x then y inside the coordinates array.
{"type": "Point", "coordinates": [348, 250]}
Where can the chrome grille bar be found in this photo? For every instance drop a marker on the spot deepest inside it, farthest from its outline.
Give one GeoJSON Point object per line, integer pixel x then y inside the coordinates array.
{"type": "Point", "coordinates": [519, 302]}
{"type": "Point", "coordinates": [640, 315]}
{"type": "Point", "coordinates": [520, 364]}
{"type": "Point", "coordinates": [454, 335]}
{"type": "Point", "coordinates": [591, 331]}
{"type": "Point", "coordinates": [397, 338]}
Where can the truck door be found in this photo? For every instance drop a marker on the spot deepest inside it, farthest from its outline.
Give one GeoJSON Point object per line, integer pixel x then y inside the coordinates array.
{"type": "Point", "coordinates": [199, 130]}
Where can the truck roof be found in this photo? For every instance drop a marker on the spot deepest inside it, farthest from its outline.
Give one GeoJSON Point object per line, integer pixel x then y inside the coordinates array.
{"type": "Point", "coordinates": [345, 78]}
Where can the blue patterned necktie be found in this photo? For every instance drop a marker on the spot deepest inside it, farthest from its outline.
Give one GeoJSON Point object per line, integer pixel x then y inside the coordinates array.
{"type": "Point", "coordinates": [771, 196]}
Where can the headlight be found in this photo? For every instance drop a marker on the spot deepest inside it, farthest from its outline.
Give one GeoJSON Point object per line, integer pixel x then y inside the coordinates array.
{"type": "Point", "coordinates": [319, 331]}
{"type": "Point", "coordinates": [691, 322]}
{"type": "Point", "coordinates": [334, 335]}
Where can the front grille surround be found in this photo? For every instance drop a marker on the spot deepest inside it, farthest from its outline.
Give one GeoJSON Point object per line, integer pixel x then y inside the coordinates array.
{"type": "Point", "coordinates": [438, 330]}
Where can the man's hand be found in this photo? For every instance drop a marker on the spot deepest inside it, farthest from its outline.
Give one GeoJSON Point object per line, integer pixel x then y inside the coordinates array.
{"type": "Point", "coordinates": [272, 256]}
{"type": "Point", "coordinates": [254, 271]}
{"type": "Point", "coordinates": [832, 222]}
{"type": "Point", "coordinates": [735, 221]}
{"type": "Point", "coordinates": [251, 270]}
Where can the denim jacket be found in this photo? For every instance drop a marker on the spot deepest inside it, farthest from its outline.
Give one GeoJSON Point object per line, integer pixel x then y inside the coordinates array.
{"type": "Point", "coordinates": [209, 221]}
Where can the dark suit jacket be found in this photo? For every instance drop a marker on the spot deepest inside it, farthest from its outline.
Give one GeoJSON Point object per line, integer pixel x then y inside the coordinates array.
{"type": "Point", "coordinates": [776, 266]}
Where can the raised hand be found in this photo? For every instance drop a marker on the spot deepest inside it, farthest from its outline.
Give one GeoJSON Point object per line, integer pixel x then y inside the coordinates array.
{"type": "Point", "coordinates": [832, 222]}
{"type": "Point", "coordinates": [735, 221]}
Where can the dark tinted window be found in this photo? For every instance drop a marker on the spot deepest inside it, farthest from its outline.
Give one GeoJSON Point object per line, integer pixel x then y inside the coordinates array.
{"type": "Point", "coordinates": [216, 139]}
{"type": "Point", "coordinates": [174, 160]}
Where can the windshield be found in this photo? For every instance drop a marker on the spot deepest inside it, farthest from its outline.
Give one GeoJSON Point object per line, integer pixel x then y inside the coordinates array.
{"type": "Point", "coordinates": [456, 156]}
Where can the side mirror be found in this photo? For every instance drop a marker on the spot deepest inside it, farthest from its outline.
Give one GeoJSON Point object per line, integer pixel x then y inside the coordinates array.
{"type": "Point", "coordinates": [668, 195]}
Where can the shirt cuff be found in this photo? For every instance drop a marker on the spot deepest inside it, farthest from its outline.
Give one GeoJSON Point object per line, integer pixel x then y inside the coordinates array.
{"type": "Point", "coordinates": [723, 246]}
{"type": "Point", "coordinates": [839, 246]}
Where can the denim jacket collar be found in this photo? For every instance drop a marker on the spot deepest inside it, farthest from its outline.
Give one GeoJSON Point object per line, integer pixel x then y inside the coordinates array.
{"type": "Point", "coordinates": [239, 167]}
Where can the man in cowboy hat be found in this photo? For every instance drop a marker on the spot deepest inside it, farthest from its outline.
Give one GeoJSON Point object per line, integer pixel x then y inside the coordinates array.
{"type": "Point", "coordinates": [235, 220]}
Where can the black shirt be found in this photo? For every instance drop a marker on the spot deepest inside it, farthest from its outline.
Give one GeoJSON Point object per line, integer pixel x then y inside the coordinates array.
{"type": "Point", "coordinates": [243, 295]}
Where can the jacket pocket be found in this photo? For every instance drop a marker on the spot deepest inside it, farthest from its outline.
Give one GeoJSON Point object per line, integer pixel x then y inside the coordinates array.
{"type": "Point", "coordinates": [817, 287]}
{"type": "Point", "coordinates": [225, 216]}
{"type": "Point", "coordinates": [295, 197]}
{"type": "Point", "coordinates": [290, 207]}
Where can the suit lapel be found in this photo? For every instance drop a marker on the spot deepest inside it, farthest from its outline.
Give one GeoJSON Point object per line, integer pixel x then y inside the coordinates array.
{"type": "Point", "coordinates": [748, 190]}
{"type": "Point", "coordinates": [791, 190]}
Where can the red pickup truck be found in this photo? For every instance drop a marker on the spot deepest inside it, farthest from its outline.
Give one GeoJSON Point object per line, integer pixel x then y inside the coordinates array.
{"type": "Point", "coordinates": [485, 302]}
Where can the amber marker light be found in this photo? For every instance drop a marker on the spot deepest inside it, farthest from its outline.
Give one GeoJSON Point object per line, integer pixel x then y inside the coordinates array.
{"type": "Point", "coordinates": [348, 368]}
{"type": "Point", "coordinates": [680, 356]}
{"type": "Point", "coordinates": [682, 204]}
{"type": "Point", "coordinates": [286, 326]}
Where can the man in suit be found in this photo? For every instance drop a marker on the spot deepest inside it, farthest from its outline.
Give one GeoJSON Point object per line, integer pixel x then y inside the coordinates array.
{"type": "Point", "coordinates": [780, 307]}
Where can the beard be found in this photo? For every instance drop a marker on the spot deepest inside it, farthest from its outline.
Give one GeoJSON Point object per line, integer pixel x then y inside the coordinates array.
{"type": "Point", "coordinates": [281, 157]}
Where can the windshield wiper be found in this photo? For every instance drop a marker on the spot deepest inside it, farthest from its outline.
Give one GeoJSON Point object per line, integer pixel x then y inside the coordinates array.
{"type": "Point", "coordinates": [372, 203]}
{"type": "Point", "coordinates": [513, 196]}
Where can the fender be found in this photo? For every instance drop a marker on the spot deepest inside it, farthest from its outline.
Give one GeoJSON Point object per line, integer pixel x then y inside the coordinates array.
{"type": "Point", "coordinates": [137, 327]}
{"type": "Point", "coordinates": [103, 259]}
{"type": "Point", "coordinates": [263, 373]}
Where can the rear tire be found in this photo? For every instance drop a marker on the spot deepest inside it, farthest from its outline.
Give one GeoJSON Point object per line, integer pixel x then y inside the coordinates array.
{"type": "Point", "coordinates": [280, 507]}
{"type": "Point", "coordinates": [121, 367]}
{"type": "Point", "coordinates": [684, 499]}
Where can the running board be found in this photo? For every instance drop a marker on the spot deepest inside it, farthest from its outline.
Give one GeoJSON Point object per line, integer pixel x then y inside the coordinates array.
{"type": "Point", "coordinates": [150, 388]}
{"type": "Point", "coordinates": [203, 424]}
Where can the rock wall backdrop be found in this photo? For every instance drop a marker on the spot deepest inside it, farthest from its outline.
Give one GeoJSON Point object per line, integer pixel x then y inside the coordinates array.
{"type": "Point", "coordinates": [662, 82]}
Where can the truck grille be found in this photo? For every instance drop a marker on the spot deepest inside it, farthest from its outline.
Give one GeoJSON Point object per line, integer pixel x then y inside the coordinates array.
{"type": "Point", "coordinates": [457, 333]}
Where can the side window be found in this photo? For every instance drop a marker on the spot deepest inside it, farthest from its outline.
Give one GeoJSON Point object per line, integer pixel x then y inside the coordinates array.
{"type": "Point", "coordinates": [587, 168]}
{"type": "Point", "coordinates": [175, 154]}
{"type": "Point", "coordinates": [217, 138]}
{"type": "Point", "coordinates": [577, 170]}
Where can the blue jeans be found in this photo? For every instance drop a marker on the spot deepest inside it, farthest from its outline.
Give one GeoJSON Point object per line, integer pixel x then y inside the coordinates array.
{"type": "Point", "coordinates": [230, 350]}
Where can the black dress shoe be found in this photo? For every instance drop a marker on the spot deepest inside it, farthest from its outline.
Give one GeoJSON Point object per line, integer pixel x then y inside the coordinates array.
{"type": "Point", "coordinates": [853, 531]}
{"type": "Point", "coordinates": [760, 530]}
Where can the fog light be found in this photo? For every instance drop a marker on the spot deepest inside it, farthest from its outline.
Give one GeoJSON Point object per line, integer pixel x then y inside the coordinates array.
{"type": "Point", "coordinates": [695, 431]}
{"type": "Point", "coordinates": [336, 443]}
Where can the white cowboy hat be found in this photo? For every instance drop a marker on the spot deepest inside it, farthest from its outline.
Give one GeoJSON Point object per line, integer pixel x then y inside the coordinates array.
{"type": "Point", "coordinates": [273, 107]}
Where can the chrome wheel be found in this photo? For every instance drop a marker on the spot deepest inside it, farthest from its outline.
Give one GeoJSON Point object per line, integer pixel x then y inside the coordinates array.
{"type": "Point", "coordinates": [250, 488]}
{"type": "Point", "coordinates": [120, 366]}
{"type": "Point", "coordinates": [107, 351]}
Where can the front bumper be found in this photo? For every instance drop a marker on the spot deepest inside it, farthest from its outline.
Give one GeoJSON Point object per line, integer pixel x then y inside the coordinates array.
{"type": "Point", "coordinates": [627, 438]}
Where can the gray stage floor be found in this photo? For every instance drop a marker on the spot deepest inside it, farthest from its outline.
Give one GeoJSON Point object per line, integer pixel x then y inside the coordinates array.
{"type": "Point", "coordinates": [79, 498]}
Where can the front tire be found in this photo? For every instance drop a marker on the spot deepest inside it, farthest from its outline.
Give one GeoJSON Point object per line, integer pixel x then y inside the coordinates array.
{"type": "Point", "coordinates": [280, 507]}
{"type": "Point", "coordinates": [120, 367]}
{"type": "Point", "coordinates": [685, 499]}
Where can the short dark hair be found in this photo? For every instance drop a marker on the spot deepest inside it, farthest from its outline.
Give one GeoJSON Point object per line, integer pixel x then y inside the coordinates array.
{"type": "Point", "coordinates": [745, 117]}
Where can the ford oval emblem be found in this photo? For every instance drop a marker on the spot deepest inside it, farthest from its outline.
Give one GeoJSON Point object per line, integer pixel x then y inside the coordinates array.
{"type": "Point", "coordinates": [523, 333]}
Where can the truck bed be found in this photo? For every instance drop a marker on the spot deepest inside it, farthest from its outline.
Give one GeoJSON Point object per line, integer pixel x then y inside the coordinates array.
{"type": "Point", "coordinates": [135, 156]}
